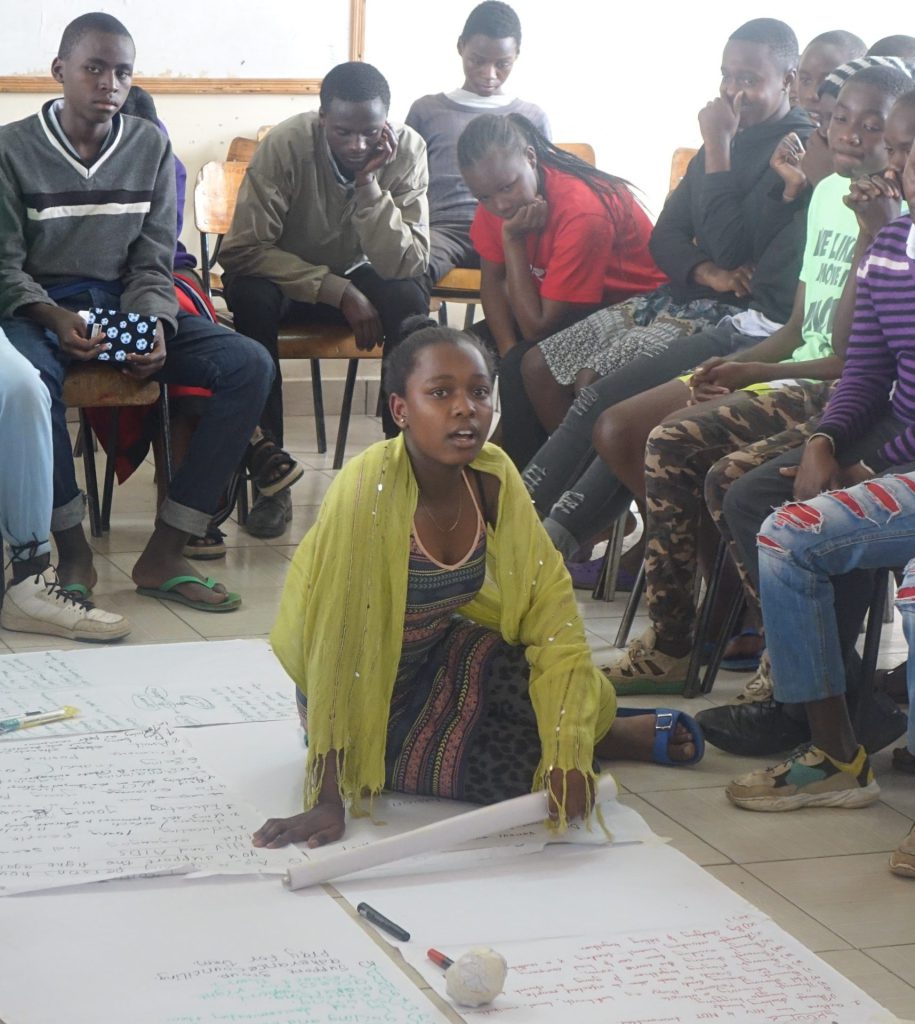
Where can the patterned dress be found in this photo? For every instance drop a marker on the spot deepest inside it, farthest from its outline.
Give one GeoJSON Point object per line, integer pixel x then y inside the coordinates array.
{"type": "Point", "coordinates": [461, 723]}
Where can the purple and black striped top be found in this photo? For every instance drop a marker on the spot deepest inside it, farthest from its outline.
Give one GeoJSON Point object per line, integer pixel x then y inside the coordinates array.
{"type": "Point", "coordinates": [881, 350]}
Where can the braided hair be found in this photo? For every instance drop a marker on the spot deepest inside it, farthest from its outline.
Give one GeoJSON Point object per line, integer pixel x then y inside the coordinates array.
{"type": "Point", "coordinates": [515, 133]}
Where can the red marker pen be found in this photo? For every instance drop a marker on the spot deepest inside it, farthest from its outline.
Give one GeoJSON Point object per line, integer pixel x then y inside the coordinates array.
{"type": "Point", "coordinates": [439, 958]}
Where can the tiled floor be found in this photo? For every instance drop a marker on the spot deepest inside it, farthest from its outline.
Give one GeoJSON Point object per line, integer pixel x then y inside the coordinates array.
{"type": "Point", "coordinates": [821, 874]}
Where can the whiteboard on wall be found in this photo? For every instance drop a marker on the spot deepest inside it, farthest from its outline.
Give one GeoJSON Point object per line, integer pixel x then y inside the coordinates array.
{"type": "Point", "coordinates": [266, 46]}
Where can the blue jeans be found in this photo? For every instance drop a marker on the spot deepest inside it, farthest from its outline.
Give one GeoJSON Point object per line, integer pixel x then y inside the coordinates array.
{"type": "Point", "coordinates": [201, 354]}
{"type": "Point", "coordinates": [801, 546]}
{"type": "Point", "coordinates": [28, 460]}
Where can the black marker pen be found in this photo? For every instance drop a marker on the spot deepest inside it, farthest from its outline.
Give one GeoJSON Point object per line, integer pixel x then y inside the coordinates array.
{"type": "Point", "coordinates": [380, 921]}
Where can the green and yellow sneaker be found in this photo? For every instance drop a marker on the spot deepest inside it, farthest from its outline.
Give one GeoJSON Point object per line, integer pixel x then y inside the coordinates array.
{"type": "Point", "coordinates": [809, 778]}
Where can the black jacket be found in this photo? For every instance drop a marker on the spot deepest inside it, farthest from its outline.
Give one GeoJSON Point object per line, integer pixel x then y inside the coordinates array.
{"type": "Point", "coordinates": [730, 218]}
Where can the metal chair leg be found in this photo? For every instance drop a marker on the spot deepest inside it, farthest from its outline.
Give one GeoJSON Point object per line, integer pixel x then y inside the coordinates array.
{"type": "Point", "coordinates": [691, 686]}
{"type": "Point", "coordinates": [345, 410]}
{"type": "Point", "coordinates": [110, 463]}
{"type": "Point", "coordinates": [317, 395]}
{"type": "Point", "coordinates": [632, 605]}
{"type": "Point", "coordinates": [605, 588]}
{"type": "Point", "coordinates": [871, 647]}
{"type": "Point", "coordinates": [95, 519]}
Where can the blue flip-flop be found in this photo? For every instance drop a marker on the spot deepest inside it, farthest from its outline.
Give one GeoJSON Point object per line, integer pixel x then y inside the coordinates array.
{"type": "Point", "coordinates": [666, 720]}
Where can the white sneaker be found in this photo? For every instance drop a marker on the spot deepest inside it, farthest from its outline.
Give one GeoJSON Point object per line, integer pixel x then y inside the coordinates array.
{"type": "Point", "coordinates": [38, 604]}
{"type": "Point", "coordinates": [759, 688]}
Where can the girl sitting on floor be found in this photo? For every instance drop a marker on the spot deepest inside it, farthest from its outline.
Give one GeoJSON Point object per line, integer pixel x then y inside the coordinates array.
{"type": "Point", "coordinates": [431, 628]}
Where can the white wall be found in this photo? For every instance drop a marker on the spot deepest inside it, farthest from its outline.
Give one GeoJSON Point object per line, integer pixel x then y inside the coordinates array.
{"type": "Point", "coordinates": [627, 78]}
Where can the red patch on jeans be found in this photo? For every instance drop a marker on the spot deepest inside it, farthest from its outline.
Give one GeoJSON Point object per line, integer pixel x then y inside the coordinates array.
{"type": "Point", "coordinates": [884, 497]}
{"type": "Point", "coordinates": [905, 594]}
{"type": "Point", "coordinates": [799, 515]}
{"type": "Point", "coordinates": [907, 480]}
{"type": "Point", "coordinates": [767, 542]}
{"type": "Point", "coordinates": [844, 498]}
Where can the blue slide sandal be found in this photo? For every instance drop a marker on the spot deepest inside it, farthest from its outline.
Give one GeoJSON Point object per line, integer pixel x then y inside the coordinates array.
{"type": "Point", "coordinates": [666, 720]}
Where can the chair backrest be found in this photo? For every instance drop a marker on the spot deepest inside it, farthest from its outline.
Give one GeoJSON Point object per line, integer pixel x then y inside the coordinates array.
{"type": "Point", "coordinates": [242, 149]}
{"type": "Point", "coordinates": [583, 150]}
{"type": "Point", "coordinates": [262, 131]}
{"type": "Point", "coordinates": [678, 164]}
{"type": "Point", "coordinates": [215, 196]}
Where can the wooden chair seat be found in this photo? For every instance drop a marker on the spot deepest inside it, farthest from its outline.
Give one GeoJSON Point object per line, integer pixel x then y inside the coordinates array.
{"type": "Point", "coordinates": [89, 385]}
{"type": "Point", "coordinates": [321, 341]}
{"type": "Point", "coordinates": [458, 282]}
{"type": "Point", "coordinates": [93, 386]}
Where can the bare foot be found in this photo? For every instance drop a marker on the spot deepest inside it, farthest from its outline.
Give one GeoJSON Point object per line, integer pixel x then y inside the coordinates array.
{"type": "Point", "coordinates": [632, 739]}
{"type": "Point", "coordinates": [153, 573]}
{"type": "Point", "coordinates": [162, 560]}
{"type": "Point", "coordinates": [74, 558]}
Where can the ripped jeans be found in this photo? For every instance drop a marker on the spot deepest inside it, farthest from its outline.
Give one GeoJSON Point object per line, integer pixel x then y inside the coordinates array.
{"type": "Point", "coordinates": [802, 545]}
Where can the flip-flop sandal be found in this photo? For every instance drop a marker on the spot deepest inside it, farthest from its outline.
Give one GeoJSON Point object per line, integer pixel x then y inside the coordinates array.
{"type": "Point", "coordinates": [666, 720]}
{"type": "Point", "coordinates": [166, 592]}
{"type": "Point", "coordinates": [746, 662]}
{"type": "Point", "coordinates": [903, 761]}
{"type": "Point", "coordinates": [210, 546]}
{"type": "Point", "coordinates": [272, 470]}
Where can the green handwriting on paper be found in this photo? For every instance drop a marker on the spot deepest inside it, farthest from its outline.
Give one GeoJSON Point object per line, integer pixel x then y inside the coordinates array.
{"type": "Point", "coordinates": [292, 986]}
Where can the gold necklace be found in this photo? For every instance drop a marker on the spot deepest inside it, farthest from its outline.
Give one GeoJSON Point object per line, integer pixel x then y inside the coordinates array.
{"type": "Point", "coordinates": [436, 523]}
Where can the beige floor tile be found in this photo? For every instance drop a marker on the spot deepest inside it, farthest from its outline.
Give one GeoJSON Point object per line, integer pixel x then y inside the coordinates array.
{"type": "Point", "coordinates": [802, 926]}
{"type": "Point", "coordinates": [856, 897]}
{"type": "Point", "coordinates": [680, 838]}
{"type": "Point", "coordinates": [303, 518]}
{"type": "Point", "coordinates": [880, 984]}
{"type": "Point", "coordinates": [255, 617]}
{"type": "Point", "coordinates": [898, 959]}
{"type": "Point", "coordinates": [286, 550]}
{"type": "Point", "coordinates": [715, 770]}
{"type": "Point", "coordinates": [750, 837]}
{"type": "Point", "coordinates": [897, 789]}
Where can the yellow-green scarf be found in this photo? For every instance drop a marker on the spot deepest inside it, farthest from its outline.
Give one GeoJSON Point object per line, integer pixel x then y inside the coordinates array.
{"type": "Point", "coordinates": [340, 628]}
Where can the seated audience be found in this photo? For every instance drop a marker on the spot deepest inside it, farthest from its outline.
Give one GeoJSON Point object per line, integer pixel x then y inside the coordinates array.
{"type": "Point", "coordinates": [713, 229]}
{"type": "Point", "coordinates": [684, 448]}
{"type": "Point", "coordinates": [802, 546]}
{"type": "Point", "coordinates": [578, 494]}
{"type": "Point", "coordinates": [413, 530]}
{"type": "Point", "coordinates": [61, 257]}
{"type": "Point", "coordinates": [331, 226]}
{"type": "Point", "coordinates": [35, 601]}
{"type": "Point", "coordinates": [556, 237]}
{"type": "Point", "coordinates": [488, 46]}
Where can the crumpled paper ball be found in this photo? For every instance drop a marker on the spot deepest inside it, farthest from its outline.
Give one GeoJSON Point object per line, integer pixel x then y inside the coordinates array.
{"type": "Point", "coordinates": [477, 977]}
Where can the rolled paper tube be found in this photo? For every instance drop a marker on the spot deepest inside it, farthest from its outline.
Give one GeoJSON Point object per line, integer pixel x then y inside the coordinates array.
{"type": "Point", "coordinates": [440, 835]}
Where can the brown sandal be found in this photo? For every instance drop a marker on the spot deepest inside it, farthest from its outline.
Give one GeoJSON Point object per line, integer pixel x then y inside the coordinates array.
{"type": "Point", "coordinates": [272, 470]}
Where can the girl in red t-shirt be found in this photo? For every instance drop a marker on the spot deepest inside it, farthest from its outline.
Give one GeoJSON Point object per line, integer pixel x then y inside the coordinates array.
{"type": "Point", "coordinates": [557, 238]}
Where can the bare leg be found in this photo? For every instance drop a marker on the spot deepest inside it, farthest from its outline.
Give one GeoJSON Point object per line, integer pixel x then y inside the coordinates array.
{"type": "Point", "coordinates": [622, 431]}
{"type": "Point", "coordinates": [830, 727]}
{"type": "Point", "coordinates": [74, 557]}
{"type": "Point", "coordinates": [550, 399]}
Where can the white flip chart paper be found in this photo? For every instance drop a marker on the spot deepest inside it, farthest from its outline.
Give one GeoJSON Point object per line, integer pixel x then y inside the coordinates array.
{"type": "Point", "coordinates": [114, 805]}
{"type": "Point", "coordinates": [135, 687]}
{"type": "Point", "coordinates": [155, 952]}
{"type": "Point", "coordinates": [742, 970]}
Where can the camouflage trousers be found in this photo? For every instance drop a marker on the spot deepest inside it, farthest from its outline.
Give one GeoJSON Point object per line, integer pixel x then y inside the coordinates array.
{"type": "Point", "coordinates": [693, 460]}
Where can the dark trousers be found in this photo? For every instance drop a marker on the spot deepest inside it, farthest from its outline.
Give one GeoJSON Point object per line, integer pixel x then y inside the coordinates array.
{"type": "Point", "coordinates": [260, 307]}
{"type": "Point", "coordinates": [200, 354]}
